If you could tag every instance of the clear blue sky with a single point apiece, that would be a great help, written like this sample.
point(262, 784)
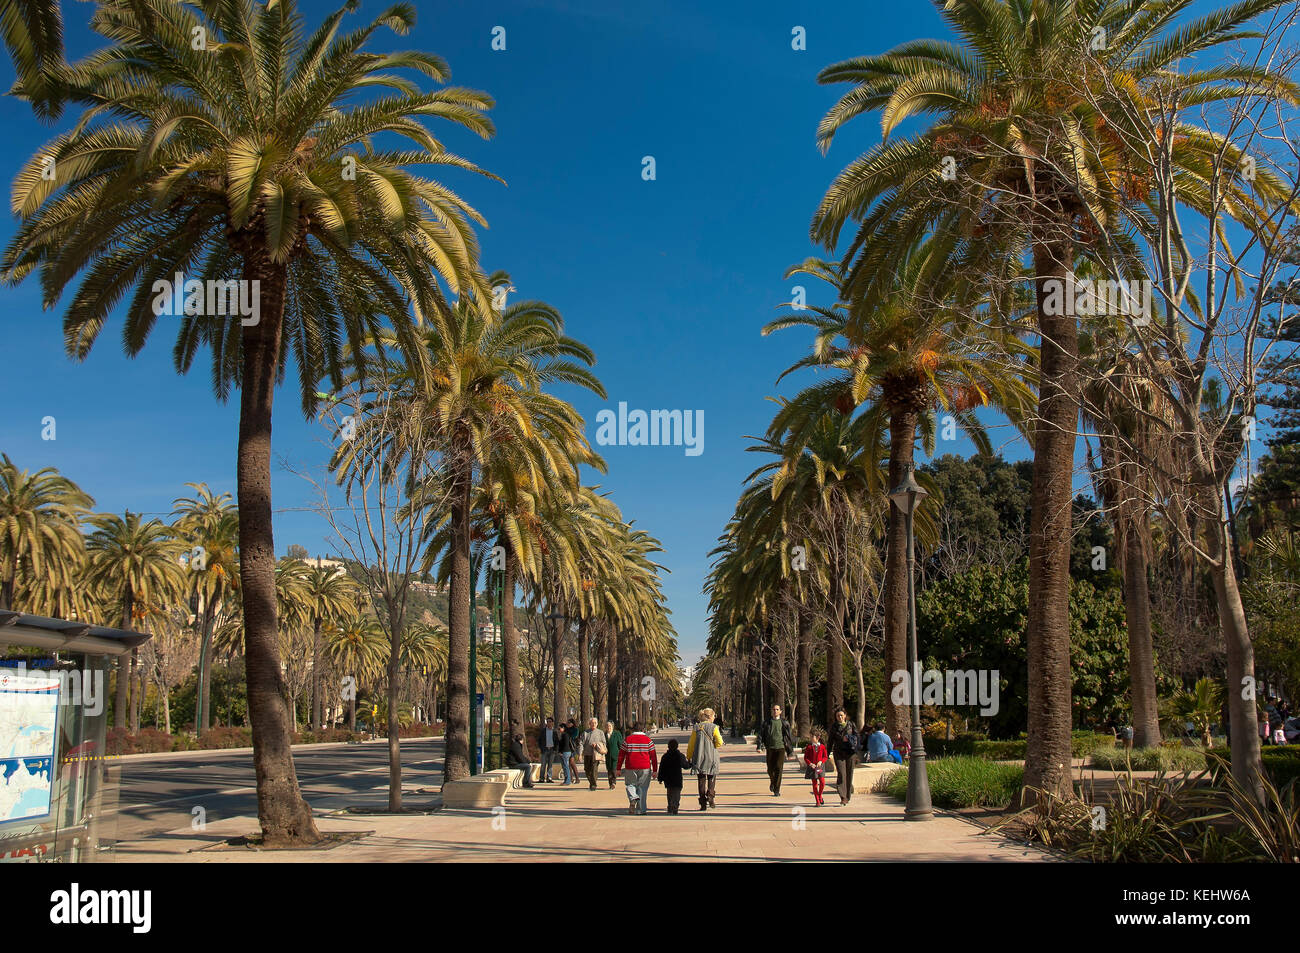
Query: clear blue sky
point(668, 280)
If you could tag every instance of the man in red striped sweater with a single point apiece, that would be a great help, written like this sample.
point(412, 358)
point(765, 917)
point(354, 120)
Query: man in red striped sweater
point(639, 763)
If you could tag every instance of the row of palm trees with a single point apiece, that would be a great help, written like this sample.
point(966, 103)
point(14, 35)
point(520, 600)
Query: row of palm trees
point(61, 559)
point(1023, 166)
point(223, 140)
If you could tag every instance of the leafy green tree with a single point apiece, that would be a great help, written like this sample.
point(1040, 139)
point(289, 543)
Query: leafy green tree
point(976, 619)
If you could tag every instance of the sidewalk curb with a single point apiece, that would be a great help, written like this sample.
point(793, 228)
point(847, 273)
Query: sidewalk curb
point(200, 752)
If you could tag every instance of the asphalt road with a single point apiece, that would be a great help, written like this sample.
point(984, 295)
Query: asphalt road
point(160, 793)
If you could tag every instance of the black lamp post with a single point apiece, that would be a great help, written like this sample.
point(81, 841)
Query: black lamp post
point(906, 496)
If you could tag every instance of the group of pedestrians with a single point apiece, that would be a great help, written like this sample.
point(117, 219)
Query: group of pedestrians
point(634, 757)
point(845, 746)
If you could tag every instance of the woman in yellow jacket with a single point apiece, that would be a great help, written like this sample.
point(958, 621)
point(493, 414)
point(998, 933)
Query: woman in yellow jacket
point(702, 752)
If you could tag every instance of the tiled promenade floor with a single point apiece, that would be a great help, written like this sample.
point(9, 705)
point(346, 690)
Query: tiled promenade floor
point(574, 823)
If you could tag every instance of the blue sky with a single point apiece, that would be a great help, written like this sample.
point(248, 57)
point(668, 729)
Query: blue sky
point(668, 280)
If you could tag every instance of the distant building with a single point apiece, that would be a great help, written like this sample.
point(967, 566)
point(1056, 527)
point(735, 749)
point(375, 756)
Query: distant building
point(686, 678)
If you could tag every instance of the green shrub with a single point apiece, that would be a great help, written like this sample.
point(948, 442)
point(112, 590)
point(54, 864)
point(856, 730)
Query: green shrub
point(1281, 762)
point(962, 781)
point(1082, 744)
point(1149, 759)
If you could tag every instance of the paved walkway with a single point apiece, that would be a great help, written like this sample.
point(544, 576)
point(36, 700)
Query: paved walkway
point(574, 823)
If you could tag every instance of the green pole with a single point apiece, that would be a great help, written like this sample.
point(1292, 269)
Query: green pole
point(473, 683)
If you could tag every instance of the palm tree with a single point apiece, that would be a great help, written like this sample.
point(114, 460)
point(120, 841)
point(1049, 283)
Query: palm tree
point(1122, 406)
point(1032, 150)
point(1201, 706)
point(913, 342)
point(210, 523)
point(139, 563)
point(328, 594)
point(358, 648)
point(478, 384)
point(40, 535)
point(250, 157)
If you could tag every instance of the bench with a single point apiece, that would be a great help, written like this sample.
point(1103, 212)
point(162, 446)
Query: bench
point(867, 774)
point(483, 790)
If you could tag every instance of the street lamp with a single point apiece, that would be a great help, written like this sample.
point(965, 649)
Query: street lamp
point(906, 496)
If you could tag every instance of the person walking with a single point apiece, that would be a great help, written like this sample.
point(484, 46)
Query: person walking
point(519, 759)
point(548, 740)
point(639, 763)
point(702, 752)
point(844, 746)
point(670, 775)
point(573, 736)
point(594, 748)
point(562, 753)
point(814, 761)
point(776, 738)
point(613, 741)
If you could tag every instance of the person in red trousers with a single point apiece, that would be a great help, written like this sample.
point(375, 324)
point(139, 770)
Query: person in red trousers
point(814, 759)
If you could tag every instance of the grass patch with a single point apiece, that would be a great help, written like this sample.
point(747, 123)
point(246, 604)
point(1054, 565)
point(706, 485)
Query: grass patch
point(1149, 759)
point(962, 781)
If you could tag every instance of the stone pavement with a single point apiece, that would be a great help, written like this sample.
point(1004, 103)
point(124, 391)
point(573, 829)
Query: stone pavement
point(573, 823)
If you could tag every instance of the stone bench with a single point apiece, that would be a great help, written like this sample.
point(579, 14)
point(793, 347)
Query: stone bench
point(866, 775)
point(481, 791)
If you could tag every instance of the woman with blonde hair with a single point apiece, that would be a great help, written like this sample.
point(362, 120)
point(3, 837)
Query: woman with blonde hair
point(702, 752)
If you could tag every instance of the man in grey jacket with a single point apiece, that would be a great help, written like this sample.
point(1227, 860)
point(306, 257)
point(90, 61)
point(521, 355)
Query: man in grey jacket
point(594, 747)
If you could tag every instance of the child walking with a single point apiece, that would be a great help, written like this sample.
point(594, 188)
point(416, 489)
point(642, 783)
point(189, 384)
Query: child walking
point(670, 775)
point(814, 759)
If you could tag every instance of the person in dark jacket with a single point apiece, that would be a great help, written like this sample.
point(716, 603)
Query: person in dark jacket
point(573, 738)
point(670, 775)
point(519, 759)
point(844, 748)
point(775, 736)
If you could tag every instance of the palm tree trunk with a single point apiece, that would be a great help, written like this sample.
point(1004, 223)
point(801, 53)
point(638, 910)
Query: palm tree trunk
point(456, 765)
point(557, 672)
point(394, 725)
point(120, 700)
point(1048, 751)
point(614, 696)
point(284, 815)
point(1137, 612)
point(803, 672)
point(902, 446)
point(584, 675)
point(317, 701)
point(137, 691)
point(835, 651)
point(602, 674)
point(510, 645)
point(203, 718)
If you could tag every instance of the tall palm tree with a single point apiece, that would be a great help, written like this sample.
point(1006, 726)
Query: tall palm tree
point(328, 594)
point(1122, 406)
point(1031, 151)
point(251, 157)
point(911, 343)
point(139, 563)
point(40, 534)
point(210, 524)
point(357, 647)
point(478, 384)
